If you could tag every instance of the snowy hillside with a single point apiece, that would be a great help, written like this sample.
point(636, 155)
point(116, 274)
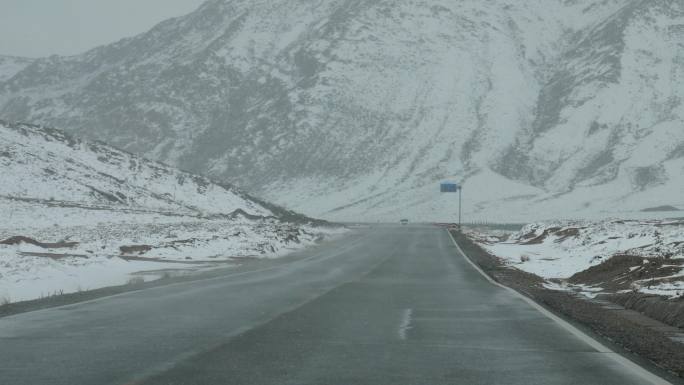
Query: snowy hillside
point(11, 65)
point(80, 215)
point(356, 110)
point(46, 166)
point(594, 257)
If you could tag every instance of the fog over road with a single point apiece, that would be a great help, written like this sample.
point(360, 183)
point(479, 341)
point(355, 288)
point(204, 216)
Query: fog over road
point(388, 305)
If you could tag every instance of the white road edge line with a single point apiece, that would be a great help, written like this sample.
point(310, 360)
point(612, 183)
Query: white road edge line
point(629, 365)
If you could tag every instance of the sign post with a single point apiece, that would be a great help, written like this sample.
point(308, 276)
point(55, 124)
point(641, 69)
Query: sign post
point(452, 187)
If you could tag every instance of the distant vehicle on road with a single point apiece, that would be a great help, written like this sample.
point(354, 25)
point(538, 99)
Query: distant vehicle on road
point(404, 222)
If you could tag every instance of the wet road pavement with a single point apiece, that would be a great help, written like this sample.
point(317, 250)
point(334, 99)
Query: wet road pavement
point(389, 305)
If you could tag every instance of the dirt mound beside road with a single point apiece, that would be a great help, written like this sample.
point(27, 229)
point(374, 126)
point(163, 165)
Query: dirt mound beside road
point(134, 249)
point(561, 233)
point(57, 245)
point(621, 272)
point(669, 311)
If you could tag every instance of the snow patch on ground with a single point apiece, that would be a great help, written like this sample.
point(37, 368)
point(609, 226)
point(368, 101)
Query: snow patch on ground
point(557, 250)
point(124, 251)
point(169, 246)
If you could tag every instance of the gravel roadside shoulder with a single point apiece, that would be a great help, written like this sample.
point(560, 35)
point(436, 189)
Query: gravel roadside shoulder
point(627, 329)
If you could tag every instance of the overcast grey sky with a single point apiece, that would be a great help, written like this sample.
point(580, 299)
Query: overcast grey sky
point(37, 28)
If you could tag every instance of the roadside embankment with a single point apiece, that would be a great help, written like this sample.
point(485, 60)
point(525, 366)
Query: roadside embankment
point(634, 332)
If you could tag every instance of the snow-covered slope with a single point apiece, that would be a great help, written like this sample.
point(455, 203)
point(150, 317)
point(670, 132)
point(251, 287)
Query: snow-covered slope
point(11, 65)
point(355, 110)
point(48, 167)
point(597, 256)
point(79, 215)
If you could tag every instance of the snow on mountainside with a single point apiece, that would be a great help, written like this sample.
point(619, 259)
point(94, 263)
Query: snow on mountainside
point(44, 165)
point(79, 215)
point(597, 257)
point(11, 65)
point(355, 110)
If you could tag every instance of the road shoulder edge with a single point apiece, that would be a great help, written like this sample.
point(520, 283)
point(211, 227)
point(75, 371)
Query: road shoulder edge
point(595, 344)
point(95, 295)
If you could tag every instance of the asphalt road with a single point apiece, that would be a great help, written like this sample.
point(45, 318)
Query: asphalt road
point(390, 305)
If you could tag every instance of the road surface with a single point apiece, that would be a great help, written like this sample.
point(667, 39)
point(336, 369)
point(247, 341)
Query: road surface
point(389, 305)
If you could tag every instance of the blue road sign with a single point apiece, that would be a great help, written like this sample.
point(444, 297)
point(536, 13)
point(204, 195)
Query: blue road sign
point(452, 187)
point(449, 187)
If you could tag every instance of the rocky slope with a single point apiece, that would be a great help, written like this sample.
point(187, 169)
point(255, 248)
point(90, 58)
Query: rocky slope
point(355, 110)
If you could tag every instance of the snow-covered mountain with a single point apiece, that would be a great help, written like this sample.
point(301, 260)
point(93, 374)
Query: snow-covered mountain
point(355, 110)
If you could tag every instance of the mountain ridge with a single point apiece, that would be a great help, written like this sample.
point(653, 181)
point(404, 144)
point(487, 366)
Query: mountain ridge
point(350, 110)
